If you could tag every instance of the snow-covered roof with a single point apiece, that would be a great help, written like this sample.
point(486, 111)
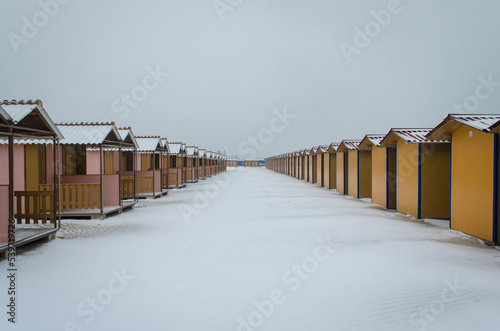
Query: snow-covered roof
point(408, 135)
point(334, 147)
point(371, 140)
point(176, 148)
point(348, 145)
point(128, 136)
point(202, 152)
point(89, 133)
point(323, 148)
point(149, 144)
point(481, 122)
point(32, 114)
point(191, 150)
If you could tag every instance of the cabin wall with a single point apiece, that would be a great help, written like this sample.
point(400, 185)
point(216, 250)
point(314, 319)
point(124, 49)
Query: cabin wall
point(326, 170)
point(353, 173)
point(319, 169)
point(4, 165)
point(32, 174)
point(472, 182)
point(379, 176)
point(111, 190)
point(407, 178)
point(4, 205)
point(340, 172)
point(435, 181)
point(365, 174)
point(116, 162)
point(93, 163)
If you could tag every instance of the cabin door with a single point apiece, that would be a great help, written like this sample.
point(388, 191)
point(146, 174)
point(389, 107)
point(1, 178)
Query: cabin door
point(391, 178)
point(35, 167)
point(346, 173)
point(322, 169)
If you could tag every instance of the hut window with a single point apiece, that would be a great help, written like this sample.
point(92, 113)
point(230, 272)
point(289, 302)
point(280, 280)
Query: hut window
point(74, 160)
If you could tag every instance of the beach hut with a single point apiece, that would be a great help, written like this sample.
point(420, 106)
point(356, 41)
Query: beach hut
point(91, 176)
point(176, 168)
point(202, 157)
point(255, 164)
point(323, 166)
point(312, 165)
point(474, 207)
point(296, 158)
point(128, 163)
point(347, 161)
point(383, 166)
point(422, 173)
point(191, 161)
point(231, 163)
point(332, 156)
point(152, 173)
point(23, 167)
point(358, 172)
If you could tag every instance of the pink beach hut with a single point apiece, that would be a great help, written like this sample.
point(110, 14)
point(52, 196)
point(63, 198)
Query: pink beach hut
point(27, 139)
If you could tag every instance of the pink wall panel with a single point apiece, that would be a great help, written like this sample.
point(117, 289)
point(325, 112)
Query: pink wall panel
point(4, 164)
point(93, 163)
point(111, 190)
point(4, 212)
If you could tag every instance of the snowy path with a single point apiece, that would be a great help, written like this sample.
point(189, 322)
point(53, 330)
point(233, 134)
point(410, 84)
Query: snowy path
point(310, 258)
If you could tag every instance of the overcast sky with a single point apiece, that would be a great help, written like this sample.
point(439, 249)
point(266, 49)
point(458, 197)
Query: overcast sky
point(213, 74)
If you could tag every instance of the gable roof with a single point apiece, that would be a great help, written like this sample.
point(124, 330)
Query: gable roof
point(371, 140)
point(89, 134)
point(333, 147)
point(176, 148)
point(192, 150)
point(29, 118)
point(128, 137)
point(348, 145)
point(452, 122)
point(149, 144)
point(408, 135)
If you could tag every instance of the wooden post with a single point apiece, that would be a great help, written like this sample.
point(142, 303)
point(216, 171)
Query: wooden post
point(154, 173)
point(120, 175)
point(101, 178)
point(11, 181)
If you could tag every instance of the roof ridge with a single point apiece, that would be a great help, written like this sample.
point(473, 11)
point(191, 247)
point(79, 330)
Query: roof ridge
point(86, 124)
point(22, 102)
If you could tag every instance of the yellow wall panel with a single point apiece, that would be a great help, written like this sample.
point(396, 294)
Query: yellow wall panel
point(472, 182)
point(340, 172)
point(365, 174)
point(379, 176)
point(353, 173)
point(333, 171)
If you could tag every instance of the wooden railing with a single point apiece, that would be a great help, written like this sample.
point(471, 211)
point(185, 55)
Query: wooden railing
point(173, 179)
point(35, 205)
point(77, 196)
point(128, 187)
point(145, 184)
point(165, 180)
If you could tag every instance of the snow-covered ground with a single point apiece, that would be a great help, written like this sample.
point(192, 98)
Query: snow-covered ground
point(255, 250)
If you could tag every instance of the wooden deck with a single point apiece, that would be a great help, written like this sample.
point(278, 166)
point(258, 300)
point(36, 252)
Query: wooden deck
point(151, 196)
point(96, 213)
point(28, 235)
